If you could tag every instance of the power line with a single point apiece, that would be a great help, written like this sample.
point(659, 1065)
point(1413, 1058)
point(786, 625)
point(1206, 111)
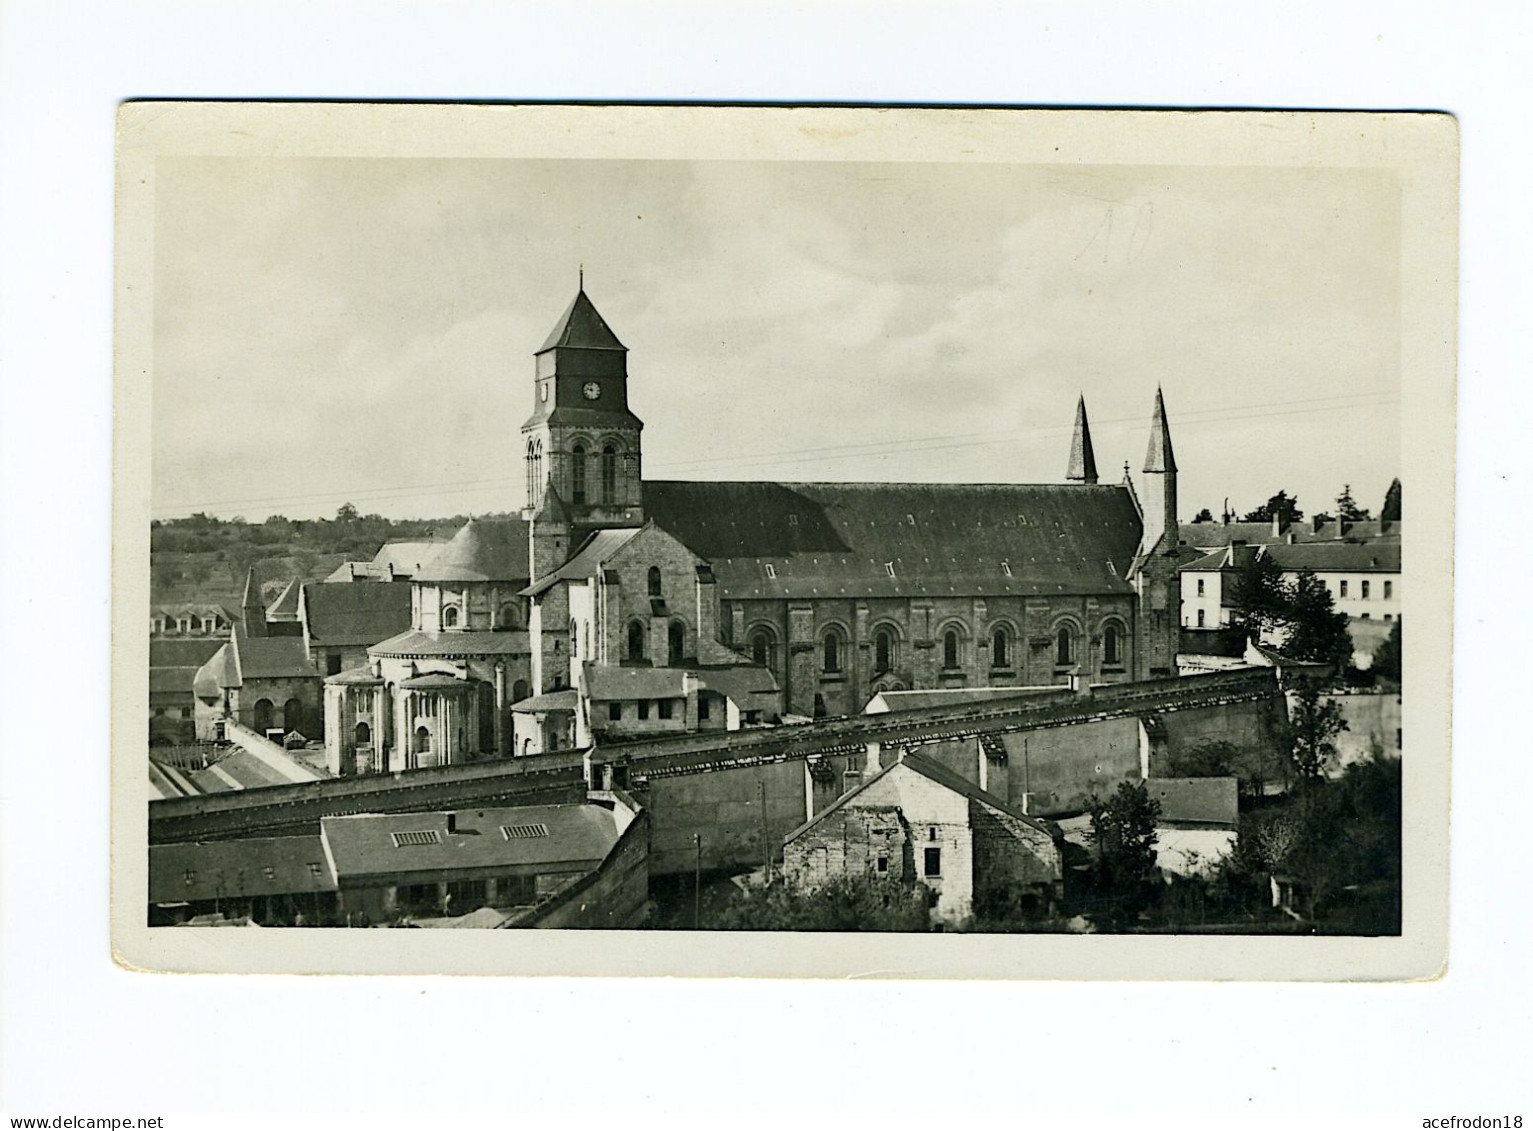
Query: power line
point(1192, 418)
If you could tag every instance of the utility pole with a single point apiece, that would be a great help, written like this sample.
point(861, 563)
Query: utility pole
point(766, 844)
point(697, 881)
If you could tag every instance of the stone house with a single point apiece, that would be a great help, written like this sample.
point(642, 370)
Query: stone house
point(919, 821)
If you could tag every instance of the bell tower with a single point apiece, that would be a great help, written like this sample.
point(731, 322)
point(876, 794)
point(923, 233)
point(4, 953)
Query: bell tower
point(581, 439)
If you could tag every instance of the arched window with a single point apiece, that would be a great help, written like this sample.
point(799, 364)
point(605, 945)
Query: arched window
point(635, 640)
point(950, 648)
point(532, 474)
point(292, 716)
point(486, 712)
point(450, 616)
point(263, 715)
point(1000, 648)
point(676, 643)
point(1112, 644)
point(574, 638)
point(422, 740)
point(654, 581)
point(507, 616)
point(364, 734)
point(609, 473)
point(520, 690)
point(1064, 646)
point(831, 653)
point(578, 472)
point(761, 648)
point(883, 650)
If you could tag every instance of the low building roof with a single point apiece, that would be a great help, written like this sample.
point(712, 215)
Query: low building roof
point(232, 869)
point(1337, 557)
point(525, 836)
point(438, 681)
point(221, 671)
point(737, 681)
point(606, 682)
point(1200, 801)
point(354, 677)
point(356, 615)
point(271, 657)
point(184, 651)
point(957, 696)
point(454, 643)
point(565, 700)
point(285, 607)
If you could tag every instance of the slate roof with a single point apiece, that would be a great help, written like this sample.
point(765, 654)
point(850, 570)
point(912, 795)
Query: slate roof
point(355, 677)
point(1339, 557)
point(270, 657)
point(408, 555)
point(738, 681)
point(935, 772)
point(489, 550)
point(454, 643)
point(565, 700)
point(1210, 535)
point(604, 682)
point(1160, 457)
point(1197, 801)
point(958, 696)
point(1083, 459)
point(437, 681)
point(363, 846)
point(839, 539)
point(285, 607)
point(221, 671)
point(588, 560)
point(230, 869)
point(183, 652)
point(581, 327)
point(356, 615)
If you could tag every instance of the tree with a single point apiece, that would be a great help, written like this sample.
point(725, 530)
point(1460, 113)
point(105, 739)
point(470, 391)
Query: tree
point(1386, 657)
point(1316, 631)
point(842, 903)
point(347, 513)
point(1123, 831)
point(1258, 596)
point(1278, 506)
point(1347, 509)
point(1391, 511)
point(1204, 515)
point(1316, 721)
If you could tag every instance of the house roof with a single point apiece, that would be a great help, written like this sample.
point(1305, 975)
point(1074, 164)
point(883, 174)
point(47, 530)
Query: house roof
point(565, 700)
point(605, 682)
point(437, 681)
point(454, 643)
point(194, 609)
point(1204, 801)
point(844, 539)
point(230, 869)
point(587, 561)
point(354, 677)
point(958, 696)
point(737, 681)
point(356, 615)
point(581, 327)
point(172, 681)
point(934, 772)
point(1339, 557)
point(365, 845)
point(285, 607)
point(488, 550)
point(220, 671)
point(408, 555)
point(184, 651)
point(270, 657)
point(1209, 535)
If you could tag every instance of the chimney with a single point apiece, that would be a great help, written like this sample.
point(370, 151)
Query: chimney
point(1277, 525)
point(1341, 529)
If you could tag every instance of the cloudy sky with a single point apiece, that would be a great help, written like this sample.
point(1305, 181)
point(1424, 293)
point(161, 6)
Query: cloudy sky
point(362, 330)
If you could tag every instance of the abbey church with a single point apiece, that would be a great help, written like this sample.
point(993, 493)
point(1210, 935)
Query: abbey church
point(619, 607)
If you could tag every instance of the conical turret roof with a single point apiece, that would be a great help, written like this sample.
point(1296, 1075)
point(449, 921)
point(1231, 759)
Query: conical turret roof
point(581, 327)
point(1160, 457)
point(1083, 460)
point(481, 551)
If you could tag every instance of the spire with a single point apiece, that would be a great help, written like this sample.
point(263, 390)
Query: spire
point(252, 608)
point(1160, 457)
point(581, 327)
point(1083, 461)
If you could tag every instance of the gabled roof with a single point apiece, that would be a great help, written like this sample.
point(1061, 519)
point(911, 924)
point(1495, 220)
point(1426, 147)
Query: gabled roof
point(1202, 801)
point(407, 556)
point(285, 607)
point(270, 657)
point(220, 671)
point(481, 551)
point(1211, 535)
point(581, 327)
point(454, 643)
point(902, 539)
point(605, 682)
point(356, 615)
point(566, 700)
point(935, 772)
point(957, 696)
point(183, 651)
point(1342, 557)
point(587, 561)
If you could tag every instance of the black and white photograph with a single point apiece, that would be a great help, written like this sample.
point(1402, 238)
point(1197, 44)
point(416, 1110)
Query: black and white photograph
point(914, 523)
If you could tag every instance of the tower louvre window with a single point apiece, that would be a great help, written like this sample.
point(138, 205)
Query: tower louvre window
point(609, 473)
point(578, 473)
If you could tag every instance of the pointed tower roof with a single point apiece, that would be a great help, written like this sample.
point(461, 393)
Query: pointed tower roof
point(1160, 457)
point(1083, 460)
point(481, 551)
point(581, 327)
point(252, 608)
point(553, 508)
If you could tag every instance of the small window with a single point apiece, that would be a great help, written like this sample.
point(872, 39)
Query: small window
point(643, 708)
point(614, 712)
point(269, 873)
point(1200, 587)
point(793, 520)
point(889, 568)
point(771, 572)
point(1363, 617)
point(761, 649)
point(883, 650)
point(1389, 590)
point(189, 877)
point(1343, 588)
point(450, 616)
point(1006, 568)
point(931, 832)
point(1365, 590)
point(910, 518)
point(1202, 617)
point(635, 640)
point(665, 708)
point(1064, 646)
point(654, 581)
point(950, 648)
point(332, 663)
point(1000, 649)
point(1112, 642)
point(883, 863)
point(933, 860)
point(832, 653)
point(314, 870)
point(703, 703)
point(1389, 616)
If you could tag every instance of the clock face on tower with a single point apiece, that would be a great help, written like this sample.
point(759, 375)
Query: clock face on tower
point(590, 390)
